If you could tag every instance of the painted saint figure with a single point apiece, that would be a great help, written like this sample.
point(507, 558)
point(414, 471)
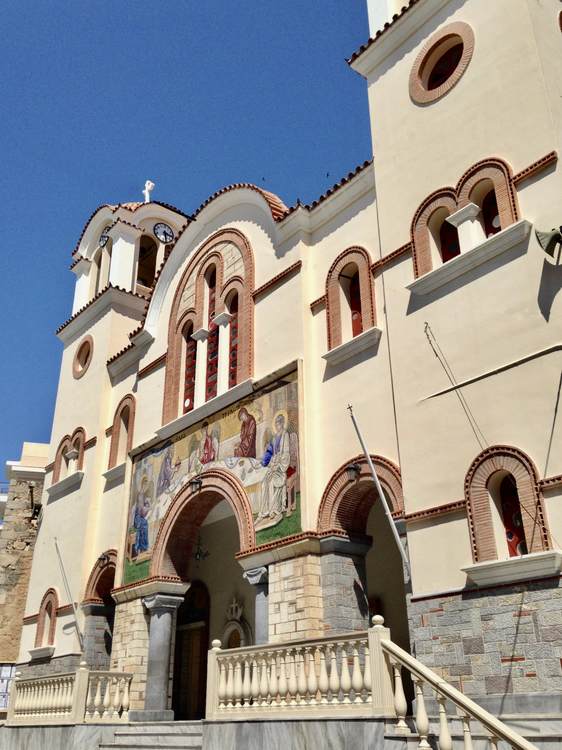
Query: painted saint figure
point(140, 523)
point(277, 459)
point(247, 445)
point(167, 472)
point(207, 452)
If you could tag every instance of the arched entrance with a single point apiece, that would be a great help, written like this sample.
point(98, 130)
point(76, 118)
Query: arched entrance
point(197, 542)
point(99, 608)
point(359, 543)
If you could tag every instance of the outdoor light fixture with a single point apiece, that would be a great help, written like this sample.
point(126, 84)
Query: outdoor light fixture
point(199, 555)
point(103, 559)
point(196, 483)
point(353, 471)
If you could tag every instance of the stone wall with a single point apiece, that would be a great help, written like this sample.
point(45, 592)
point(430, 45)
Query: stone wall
point(344, 582)
point(130, 646)
point(505, 640)
point(295, 599)
point(44, 667)
point(98, 636)
point(17, 541)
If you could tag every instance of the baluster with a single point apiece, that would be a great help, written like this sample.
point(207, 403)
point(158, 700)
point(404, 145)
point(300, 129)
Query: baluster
point(345, 682)
point(222, 684)
point(238, 682)
point(445, 741)
point(283, 684)
point(42, 702)
point(357, 678)
point(264, 682)
point(400, 705)
point(89, 697)
point(312, 681)
point(422, 722)
point(70, 681)
point(273, 683)
point(117, 698)
point(323, 683)
point(466, 732)
point(56, 695)
point(33, 698)
point(367, 677)
point(126, 700)
point(97, 699)
point(493, 742)
point(293, 685)
point(21, 696)
point(230, 685)
point(39, 698)
point(334, 682)
point(301, 680)
point(246, 685)
point(255, 683)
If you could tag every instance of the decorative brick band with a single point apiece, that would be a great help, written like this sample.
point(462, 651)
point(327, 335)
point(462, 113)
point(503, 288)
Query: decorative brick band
point(90, 443)
point(277, 279)
point(317, 302)
point(407, 248)
point(551, 481)
point(430, 54)
point(180, 526)
point(511, 460)
point(153, 365)
point(536, 166)
point(345, 507)
point(438, 510)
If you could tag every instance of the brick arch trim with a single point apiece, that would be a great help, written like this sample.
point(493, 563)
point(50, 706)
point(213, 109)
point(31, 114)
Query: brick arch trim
point(127, 401)
point(174, 376)
point(180, 526)
point(344, 508)
point(454, 198)
point(361, 258)
point(51, 596)
point(91, 593)
point(485, 465)
point(64, 446)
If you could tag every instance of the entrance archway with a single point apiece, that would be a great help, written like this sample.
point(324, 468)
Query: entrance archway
point(99, 608)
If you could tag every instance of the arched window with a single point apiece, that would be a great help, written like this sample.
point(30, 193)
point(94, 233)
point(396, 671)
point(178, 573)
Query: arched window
point(122, 431)
point(506, 516)
point(69, 457)
point(349, 294)
point(213, 338)
point(190, 368)
point(233, 342)
point(449, 244)
point(146, 269)
point(47, 622)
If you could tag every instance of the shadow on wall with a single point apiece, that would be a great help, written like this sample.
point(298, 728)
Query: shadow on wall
point(550, 285)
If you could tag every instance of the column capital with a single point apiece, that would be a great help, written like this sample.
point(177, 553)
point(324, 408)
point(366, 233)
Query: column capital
point(161, 602)
point(223, 319)
point(201, 334)
point(257, 576)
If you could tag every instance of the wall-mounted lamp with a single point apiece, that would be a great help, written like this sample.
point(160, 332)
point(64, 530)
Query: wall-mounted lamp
point(103, 559)
point(195, 483)
point(199, 555)
point(353, 471)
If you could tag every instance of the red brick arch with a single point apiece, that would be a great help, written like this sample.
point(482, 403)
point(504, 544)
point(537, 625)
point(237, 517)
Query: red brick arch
point(344, 508)
point(485, 465)
point(50, 597)
point(127, 401)
point(183, 519)
point(95, 582)
point(66, 445)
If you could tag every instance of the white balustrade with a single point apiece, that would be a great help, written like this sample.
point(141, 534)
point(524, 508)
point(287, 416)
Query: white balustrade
point(108, 697)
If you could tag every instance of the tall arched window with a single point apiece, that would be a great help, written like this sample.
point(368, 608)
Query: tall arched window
point(46, 622)
point(190, 366)
point(122, 431)
point(349, 294)
point(69, 457)
point(213, 338)
point(233, 342)
point(146, 269)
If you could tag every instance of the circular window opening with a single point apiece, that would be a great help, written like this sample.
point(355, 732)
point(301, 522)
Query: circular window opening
point(83, 357)
point(445, 66)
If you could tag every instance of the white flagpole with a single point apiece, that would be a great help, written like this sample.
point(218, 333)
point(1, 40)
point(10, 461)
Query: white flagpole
point(381, 493)
point(67, 587)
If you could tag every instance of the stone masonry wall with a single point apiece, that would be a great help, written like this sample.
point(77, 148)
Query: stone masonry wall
point(346, 606)
point(295, 599)
point(98, 638)
point(44, 667)
point(17, 541)
point(493, 641)
point(130, 646)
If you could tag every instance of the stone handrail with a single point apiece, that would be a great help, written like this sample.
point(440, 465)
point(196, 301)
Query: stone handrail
point(466, 709)
point(69, 698)
point(343, 675)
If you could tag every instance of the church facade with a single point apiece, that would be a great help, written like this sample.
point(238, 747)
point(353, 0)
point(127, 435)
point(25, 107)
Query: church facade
point(205, 479)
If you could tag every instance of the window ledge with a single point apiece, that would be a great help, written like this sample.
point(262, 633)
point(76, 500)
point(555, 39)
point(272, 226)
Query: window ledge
point(72, 481)
point(524, 568)
point(41, 652)
point(452, 269)
point(116, 472)
point(352, 347)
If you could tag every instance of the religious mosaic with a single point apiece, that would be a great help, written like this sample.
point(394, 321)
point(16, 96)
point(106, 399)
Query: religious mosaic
point(256, 440)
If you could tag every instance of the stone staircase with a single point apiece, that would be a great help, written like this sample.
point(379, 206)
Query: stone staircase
point(186, 735)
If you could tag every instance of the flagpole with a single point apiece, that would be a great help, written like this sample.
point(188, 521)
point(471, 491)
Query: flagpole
point(381, 494)
point(67, 587)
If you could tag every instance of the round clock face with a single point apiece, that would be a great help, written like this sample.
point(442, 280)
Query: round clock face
point(163, 232)
point(104, 237)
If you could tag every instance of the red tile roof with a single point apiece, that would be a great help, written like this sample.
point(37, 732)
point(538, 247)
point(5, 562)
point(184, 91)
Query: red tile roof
point(380, 32)
point(276, 205)
point(98, 295)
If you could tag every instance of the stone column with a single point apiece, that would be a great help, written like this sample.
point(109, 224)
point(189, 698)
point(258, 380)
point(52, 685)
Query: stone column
point(344, 585)
point(161, 608)
point(201, 337)
point(259, 578)
point(223, 321)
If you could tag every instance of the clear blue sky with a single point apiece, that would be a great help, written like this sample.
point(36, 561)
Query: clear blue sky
point(97, 97)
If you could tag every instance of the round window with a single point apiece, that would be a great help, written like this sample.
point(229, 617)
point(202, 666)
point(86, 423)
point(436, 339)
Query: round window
point(83, 357)
point(441, 62)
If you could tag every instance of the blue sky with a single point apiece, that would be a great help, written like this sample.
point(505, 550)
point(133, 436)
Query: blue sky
point(98, 97)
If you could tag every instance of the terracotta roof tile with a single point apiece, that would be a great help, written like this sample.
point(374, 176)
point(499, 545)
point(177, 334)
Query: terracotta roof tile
point(380, 32)
point(330, 192)
point(98, 295)
point(116, 356)
point(276, 205)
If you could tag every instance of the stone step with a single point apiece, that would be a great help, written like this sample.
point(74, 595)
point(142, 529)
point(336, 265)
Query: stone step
point(172, 739)
point(164, 742)
point(186, 735)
